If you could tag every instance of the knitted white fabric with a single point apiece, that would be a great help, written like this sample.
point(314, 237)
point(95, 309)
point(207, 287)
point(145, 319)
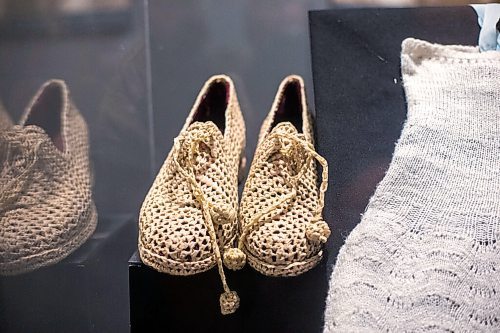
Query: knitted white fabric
point(426, 254)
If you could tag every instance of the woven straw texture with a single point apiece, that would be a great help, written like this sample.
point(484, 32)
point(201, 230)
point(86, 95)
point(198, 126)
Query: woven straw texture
point(282, 231)
point(46, 210)
point(426, 256)
point(189, 215)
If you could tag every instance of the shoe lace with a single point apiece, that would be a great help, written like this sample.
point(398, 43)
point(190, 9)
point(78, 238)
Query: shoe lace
point(16, 153)
point(187, 146)
point(297, 151)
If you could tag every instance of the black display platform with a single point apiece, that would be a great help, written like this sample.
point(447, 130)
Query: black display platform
point(86, 292)
point(360, 110)
point(359, 98)
point(164, 303)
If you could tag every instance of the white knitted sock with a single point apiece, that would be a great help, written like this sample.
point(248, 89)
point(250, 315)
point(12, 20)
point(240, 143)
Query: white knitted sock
point(426, 254)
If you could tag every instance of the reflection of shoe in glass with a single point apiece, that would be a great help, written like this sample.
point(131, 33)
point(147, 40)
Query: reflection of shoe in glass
point(190, 213)
point(46, 210)
point(282, 231)
point(5, 120)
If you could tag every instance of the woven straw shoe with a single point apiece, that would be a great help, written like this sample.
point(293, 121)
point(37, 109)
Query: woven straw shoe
point(282, 231)
point(46, 210)
point(189, 216)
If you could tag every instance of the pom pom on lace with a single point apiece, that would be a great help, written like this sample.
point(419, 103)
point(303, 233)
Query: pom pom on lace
point(229, 302)
point(223, 215)
point(234, 259)
point(318, 231)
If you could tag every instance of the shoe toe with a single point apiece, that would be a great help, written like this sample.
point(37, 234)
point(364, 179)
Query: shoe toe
point(280, 243)
point(176, 237)
point(34, 237)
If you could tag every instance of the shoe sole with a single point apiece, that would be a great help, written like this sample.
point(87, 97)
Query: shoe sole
point(293, 269)
point(52, 256)
point(173, 267)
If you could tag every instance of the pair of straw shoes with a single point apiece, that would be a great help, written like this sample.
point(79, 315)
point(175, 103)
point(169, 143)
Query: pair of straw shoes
point(190, 221)
point(46, 206)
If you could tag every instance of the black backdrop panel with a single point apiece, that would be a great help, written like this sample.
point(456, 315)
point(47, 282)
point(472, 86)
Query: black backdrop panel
point(359, 97)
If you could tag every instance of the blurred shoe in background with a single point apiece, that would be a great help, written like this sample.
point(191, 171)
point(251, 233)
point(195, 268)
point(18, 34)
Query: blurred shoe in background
point(46, 206)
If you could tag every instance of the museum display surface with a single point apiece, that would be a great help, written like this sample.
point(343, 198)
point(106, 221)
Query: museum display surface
point(295, 166)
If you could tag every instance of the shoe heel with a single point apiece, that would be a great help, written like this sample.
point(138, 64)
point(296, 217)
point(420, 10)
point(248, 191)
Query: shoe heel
point(242, 168)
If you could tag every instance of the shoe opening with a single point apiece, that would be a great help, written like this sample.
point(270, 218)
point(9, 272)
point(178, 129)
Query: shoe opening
point(290, 106)
point(213, 104)
point(46, 112)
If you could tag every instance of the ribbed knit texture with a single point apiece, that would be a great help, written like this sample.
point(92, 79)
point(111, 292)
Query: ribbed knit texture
point(426, 254)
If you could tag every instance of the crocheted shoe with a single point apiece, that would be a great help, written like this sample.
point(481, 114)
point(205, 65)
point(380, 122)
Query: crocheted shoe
point(189, 215)
point(282, 231)
point(46, 209)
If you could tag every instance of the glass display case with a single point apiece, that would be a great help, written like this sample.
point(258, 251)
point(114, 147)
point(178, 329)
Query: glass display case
point(98, 49)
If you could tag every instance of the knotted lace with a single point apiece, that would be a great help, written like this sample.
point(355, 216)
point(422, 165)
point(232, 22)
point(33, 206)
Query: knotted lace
point(18, 151)
point(297, 151)
point(187, 147)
